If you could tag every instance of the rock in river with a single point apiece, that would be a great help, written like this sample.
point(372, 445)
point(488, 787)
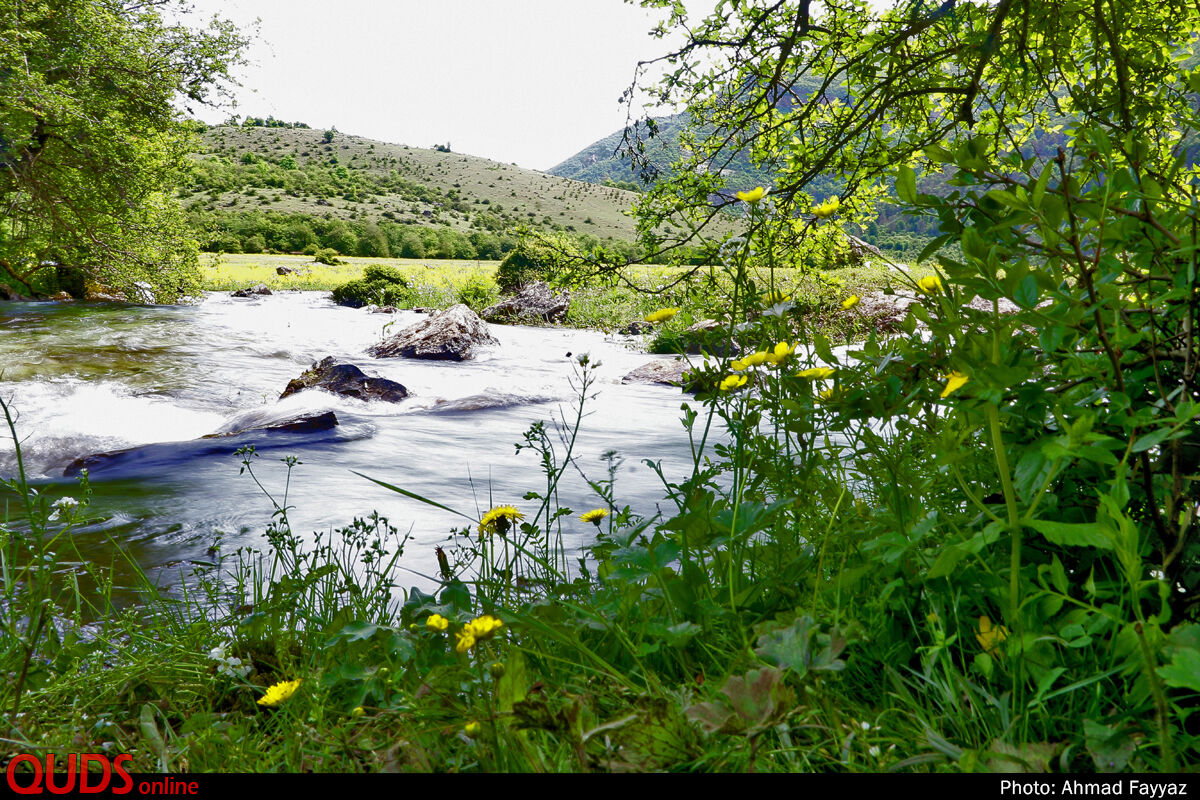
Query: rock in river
point(669, 371)
point(256, 289)
point(534, 303)
point(346, 379)
point(163, 457)
point(451, 335)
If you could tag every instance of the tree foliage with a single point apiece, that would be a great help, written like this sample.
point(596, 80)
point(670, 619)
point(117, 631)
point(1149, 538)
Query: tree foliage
point(1039, 412)
point(91, 139)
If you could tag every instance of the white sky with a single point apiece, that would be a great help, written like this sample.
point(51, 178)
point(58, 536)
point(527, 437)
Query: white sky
point(525, 81)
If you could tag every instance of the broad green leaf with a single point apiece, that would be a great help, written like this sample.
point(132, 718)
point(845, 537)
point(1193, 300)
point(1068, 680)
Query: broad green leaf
point(1074, 534)
point(906, 184)
point(1026, 294)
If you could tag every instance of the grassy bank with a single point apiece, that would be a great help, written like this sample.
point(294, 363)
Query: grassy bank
point(608, 305)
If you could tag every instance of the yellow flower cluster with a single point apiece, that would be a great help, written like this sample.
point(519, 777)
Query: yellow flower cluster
point(436, 622)
point(753, 196)
point(732, 382)
point(771, 357)
point(475, 631)
point(850, 302)
point(827, 209)
point(594, 516)
point(499, 519)
point(931, 284)
point(279, 692)
point(990, 637)
point(954, 382)
point(662, 315)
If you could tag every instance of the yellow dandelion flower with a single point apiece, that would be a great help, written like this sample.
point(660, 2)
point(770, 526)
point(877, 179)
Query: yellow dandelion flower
point(753, 196)
point(930, 284)
point(499, 520)
point(279, 692)
point(594, 516)
point(827, 209)
point(850, 302)
point(436, 622)
point(954, 382)
point(816, 373)
point(466, 640)
point(662, 315)
point(472, 729)
point(482, 628)
point(990, 637)
point(732, 382)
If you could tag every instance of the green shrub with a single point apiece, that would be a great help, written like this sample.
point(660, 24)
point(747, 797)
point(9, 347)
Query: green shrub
point(538, 257)
point(379, 285)
point(477, 294)
point(327, 255)
point(381, 273)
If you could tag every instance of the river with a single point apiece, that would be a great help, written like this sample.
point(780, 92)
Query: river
point(85, 379)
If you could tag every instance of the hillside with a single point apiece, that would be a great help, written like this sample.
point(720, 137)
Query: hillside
point(355, 193)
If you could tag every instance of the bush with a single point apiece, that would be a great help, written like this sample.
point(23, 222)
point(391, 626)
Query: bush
point(379, 285)
point(477, 294)
point(538, 257)
point(327, 255)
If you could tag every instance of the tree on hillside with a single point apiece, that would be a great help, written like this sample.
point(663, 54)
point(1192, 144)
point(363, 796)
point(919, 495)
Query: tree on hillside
point(91, 139)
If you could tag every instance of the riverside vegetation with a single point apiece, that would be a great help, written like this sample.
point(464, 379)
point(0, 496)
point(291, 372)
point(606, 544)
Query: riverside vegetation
point(967, 546)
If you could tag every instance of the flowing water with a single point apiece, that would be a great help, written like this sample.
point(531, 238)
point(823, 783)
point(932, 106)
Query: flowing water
point(86, 379)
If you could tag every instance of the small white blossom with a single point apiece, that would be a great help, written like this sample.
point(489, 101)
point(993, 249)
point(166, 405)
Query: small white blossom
point(227, 665)
point(62, 506)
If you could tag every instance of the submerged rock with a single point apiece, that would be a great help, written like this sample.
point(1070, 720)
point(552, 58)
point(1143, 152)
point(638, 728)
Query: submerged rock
point(666, 371)
point(346, 379)
point(307, 423)
point(161, 457)
point(257, 289)
point(536, 302)
point(451, 335)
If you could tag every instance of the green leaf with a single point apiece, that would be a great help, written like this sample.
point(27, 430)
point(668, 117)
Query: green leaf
point(1074, 534)
point(1026, 294)
point(1039, 189)
point(946, 561)
point(906, 184)
point(934, 246)
point(513, 685)
point(1184, 670)
point(1151, 439)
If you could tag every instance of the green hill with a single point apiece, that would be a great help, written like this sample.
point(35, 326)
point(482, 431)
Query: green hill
point(287, 188)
